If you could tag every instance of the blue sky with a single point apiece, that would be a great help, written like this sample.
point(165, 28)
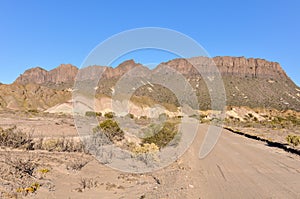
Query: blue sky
point(48, 33)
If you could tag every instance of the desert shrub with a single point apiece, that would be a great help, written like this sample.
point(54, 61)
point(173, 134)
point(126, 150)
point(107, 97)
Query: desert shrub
point(278, 119)
point(163, 117)
point(33, 111)
point(44, 170)
point(60, 145)
point(30, 189)
point(143, 117)
point(164, 136)
point(76, 165)
point(146, 153)
point(145, 148)
point(293, 139)
point(22, 166)
point(130, 115)
point(109, 115)
point(151, 130)
point(294, 120)
point(88, 183)
point(93, 114)
point(15, 138)
point(111, 129)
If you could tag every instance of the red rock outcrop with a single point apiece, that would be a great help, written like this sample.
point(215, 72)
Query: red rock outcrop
point(36, 75)
point(121, 69)
point(232, 66)
point(63, 73)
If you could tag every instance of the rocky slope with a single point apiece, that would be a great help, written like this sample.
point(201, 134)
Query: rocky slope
point(30, 97)
point(248, 82)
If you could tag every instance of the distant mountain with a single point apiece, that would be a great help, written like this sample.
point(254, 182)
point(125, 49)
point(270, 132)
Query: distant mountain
point(65, 73)
point(248, 82)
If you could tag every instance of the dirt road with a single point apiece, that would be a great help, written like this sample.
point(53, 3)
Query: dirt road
point(239, 167)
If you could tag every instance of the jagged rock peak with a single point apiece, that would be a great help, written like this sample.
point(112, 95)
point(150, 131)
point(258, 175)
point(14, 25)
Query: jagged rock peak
point(38, 75)
point(121, 69)
point(129, 62)
point(63, 73)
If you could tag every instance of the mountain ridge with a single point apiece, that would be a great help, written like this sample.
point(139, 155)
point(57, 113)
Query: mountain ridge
point(227, 65)
point(252, 82)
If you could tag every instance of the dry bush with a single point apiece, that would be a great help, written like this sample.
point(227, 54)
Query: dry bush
point(143, 117)
point(22, 166)
point(88, 183)
point(15, 138)
point(76, 165)
point(97, 144)
point(59, 145)
point(18, 174)
point(29, 189)
point(293, 139)
point(146, 153)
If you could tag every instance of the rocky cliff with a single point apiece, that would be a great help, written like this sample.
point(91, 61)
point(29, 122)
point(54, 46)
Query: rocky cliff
point(62, 74)
point(230, 66)
point(34, 75)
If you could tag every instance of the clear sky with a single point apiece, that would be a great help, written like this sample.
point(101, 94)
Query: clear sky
point(47, 33)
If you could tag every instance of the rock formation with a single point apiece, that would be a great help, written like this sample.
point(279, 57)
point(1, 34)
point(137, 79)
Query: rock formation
point(248, 82)
point(231, 66)
point(62, 74)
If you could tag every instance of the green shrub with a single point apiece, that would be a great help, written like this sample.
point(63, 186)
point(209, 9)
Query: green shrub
point(294, 120)
point(145, 148)
point(30, 189)
point(33, 111)
point(164, 135)
point(293, 139)
point(93, 114)
point(109, 115)
point(111, 129)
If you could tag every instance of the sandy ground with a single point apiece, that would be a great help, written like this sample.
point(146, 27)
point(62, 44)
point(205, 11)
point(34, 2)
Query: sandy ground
point(237, 167)
point(39, 125)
